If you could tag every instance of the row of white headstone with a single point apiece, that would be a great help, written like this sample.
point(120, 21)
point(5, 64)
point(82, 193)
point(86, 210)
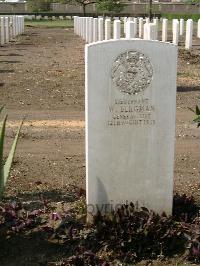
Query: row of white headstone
point(11, 26)
point(39, 17)
point(97, 29)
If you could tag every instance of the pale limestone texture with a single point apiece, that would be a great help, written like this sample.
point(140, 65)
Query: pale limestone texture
point(130, 136)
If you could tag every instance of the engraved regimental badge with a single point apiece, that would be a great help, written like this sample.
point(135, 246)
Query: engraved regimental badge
point(132, 72)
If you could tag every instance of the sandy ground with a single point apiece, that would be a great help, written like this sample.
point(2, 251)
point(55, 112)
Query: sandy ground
point(42, 79)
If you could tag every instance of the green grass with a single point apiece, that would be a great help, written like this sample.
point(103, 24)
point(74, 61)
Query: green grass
point(50, 23)
point(195, 17)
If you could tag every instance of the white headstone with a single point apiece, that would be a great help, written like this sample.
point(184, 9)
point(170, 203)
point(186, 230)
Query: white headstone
point(130, 30)
point(140, 27)
point(130, 124)
point(117, 29)
point(14, 26)
point(107, 29)
point(155, 21)
point(135, 25)
point(100, 29)
point(175, 31)
point(6, 30)
point(82, 26)
point(150, 31)
point(10, 27)
point(75, 24)
point(90, 30)
point(164, 29)
point(2, 31)
point(198, 29)
point(181, 26)
point(189, 32)
point(87, 29)
point(95, 30)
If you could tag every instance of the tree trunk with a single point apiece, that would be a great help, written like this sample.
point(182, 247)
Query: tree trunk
point(150, 10)
point(84, 6)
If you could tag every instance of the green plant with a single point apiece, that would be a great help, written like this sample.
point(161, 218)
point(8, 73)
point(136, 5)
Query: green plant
point(6, 167)
point(197, 118)
point(169, 16)
point(112, 6)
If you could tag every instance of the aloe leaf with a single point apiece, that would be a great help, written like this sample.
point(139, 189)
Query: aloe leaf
point(2, 135)
point(197, 110)
point(8, 164)
point(1, 108)
point(197, 119)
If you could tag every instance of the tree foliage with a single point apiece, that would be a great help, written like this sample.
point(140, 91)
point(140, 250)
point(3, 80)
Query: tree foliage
point(39, 5)
point(111, 6)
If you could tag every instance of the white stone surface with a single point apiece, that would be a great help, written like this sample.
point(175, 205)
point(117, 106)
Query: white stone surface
point(10, 28)
point(130, 137)
point(90, 30)
point(198, 28)
point(83, 27)
point(2, 31)
point(100, 29)
point(117, 29)
point(164, 29)
point(189, 32)
point(140, 27)
point(107, 29)
point(150, 31)
point(155, 21)
point(130, 30)
point(6, 30)
point(135, 25)
point(75, 24)
point(175, 32)
point(95, 30)
point(14, 26)
point(87, 29)
point(182, 22)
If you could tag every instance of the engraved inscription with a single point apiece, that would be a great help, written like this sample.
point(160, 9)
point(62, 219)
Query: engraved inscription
point(135, 112)
point(132, 72)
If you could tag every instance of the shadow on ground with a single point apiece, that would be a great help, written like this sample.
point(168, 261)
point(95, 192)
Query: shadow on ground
point(188, 88)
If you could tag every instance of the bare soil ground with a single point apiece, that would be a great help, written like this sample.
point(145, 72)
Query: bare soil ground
point(42, 79)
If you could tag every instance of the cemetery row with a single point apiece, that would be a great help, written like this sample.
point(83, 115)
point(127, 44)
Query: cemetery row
point(97, 29)
point(11, 27)
point(39, 17)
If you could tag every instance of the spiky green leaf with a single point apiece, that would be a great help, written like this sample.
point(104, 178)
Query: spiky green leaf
point(1, 108)
point(2, 135)
point(197, 110)
point(197, 119)
point(8, 164)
